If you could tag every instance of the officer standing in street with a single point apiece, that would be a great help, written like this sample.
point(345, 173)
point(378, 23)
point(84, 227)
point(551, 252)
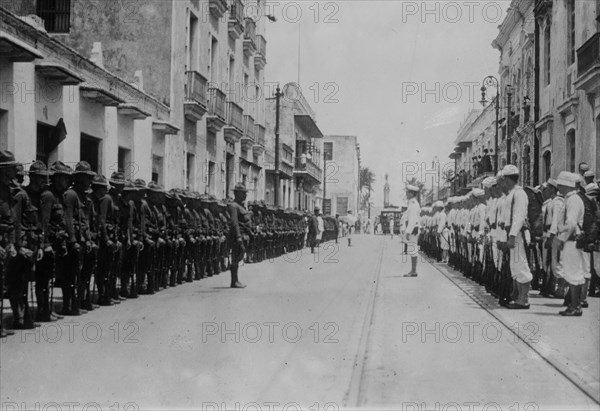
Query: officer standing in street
point(239, 232)
point(412, 227)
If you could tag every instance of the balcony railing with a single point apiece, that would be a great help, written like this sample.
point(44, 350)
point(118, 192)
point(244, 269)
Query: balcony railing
point(260, 134)
point(250, 31)
point(588, 55)
point(216, 102)
point(309, 167)
point(195, 88)
point(235, 116)
point(249, 129)
point(261, 46)
point(236, 18)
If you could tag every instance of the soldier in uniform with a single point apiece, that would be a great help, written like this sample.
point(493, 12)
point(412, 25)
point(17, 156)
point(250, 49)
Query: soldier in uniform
point(517, 204)
point(8, 251)
point(159, 232)
point(19, 268)
point(239, 232)
point(145, 274)
point(412, 227)
point(133, 245)
point(82, 180)
point(121, 232)
point(45, 202)
point(106, 221)
point(572, 261)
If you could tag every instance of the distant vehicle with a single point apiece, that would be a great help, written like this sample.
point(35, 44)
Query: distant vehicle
point(384, 218)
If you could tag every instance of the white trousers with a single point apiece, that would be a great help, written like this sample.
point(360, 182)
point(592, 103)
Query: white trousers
point(519, 267)
point(572, 265)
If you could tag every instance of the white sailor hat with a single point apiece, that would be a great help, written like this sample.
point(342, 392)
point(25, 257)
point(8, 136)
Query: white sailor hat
point(439, 203)
point(589, 173)
point(552, 182)
point(410, 187)
point(489, 182)
point(567, 179)
point(592, 188)
point(478, 192)
point(510, 170)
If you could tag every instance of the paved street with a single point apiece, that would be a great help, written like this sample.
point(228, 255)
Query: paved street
point(339, 329)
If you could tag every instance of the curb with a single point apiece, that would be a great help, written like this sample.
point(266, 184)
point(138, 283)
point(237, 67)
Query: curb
point(581, 379)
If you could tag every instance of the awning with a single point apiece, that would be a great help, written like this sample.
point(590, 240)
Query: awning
point(17, 51)
point(309, 125)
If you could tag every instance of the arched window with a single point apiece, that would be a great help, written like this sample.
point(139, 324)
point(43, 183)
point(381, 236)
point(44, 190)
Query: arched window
point(527, 166)
point(547, 161)
point(571, 150)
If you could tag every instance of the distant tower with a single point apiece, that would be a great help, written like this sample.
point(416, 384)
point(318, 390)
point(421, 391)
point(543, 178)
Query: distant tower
point(386, 193)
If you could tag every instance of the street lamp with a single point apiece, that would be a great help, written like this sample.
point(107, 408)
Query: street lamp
point(509, 92)
point(277, 102)
point(491, 81)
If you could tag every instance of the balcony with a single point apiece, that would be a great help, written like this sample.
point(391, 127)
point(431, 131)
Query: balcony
point(250, 37)
point(216, 110)
point(234, 128)
point(286, 171)
point(588, 65)
point(195, 96)
point(217, 8)
point(306, 168)
point(260, 57)
point(249, 133)
point(259, 146)
point(235, 24)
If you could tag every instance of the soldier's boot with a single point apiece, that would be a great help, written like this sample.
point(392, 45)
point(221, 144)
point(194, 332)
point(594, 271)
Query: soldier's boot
point(567, 299)
point(134, 286)
point(522, 301)
point(584, 293)
point(66, 300)
point(235, 283)
point(75, 308)
point(125, 280)
point(43, 310)
point(574, 309)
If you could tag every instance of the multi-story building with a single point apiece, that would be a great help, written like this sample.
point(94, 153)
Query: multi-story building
point(300, 171)
point(341, 179)
point(516, 44)
point(568, 115)
point(57, 104)
point(476, 134)
point(204, 60)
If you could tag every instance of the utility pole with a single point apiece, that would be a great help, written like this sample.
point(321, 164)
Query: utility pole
point(276, 192)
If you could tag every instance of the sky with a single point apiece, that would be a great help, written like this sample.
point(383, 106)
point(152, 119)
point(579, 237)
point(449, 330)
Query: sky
point(400, 75)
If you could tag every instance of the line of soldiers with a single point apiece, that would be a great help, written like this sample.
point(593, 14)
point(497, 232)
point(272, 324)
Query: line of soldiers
point(73, 229)
point(495, 236)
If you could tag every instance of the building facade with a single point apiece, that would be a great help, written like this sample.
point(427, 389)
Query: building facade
point(57, 104)
point(202, 61)
point(474, 148)
point(568, 82)
point(300, 170)
point(516, 44)
point(341, 179)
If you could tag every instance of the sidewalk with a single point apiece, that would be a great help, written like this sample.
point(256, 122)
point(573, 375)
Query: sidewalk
point(570, 344)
